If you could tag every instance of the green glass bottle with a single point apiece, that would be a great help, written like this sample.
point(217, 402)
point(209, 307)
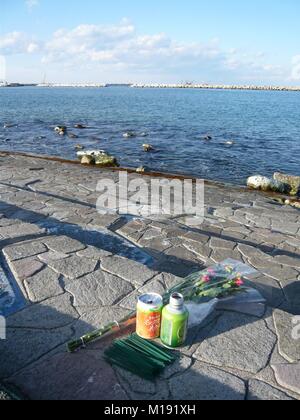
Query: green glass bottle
point(174, 325)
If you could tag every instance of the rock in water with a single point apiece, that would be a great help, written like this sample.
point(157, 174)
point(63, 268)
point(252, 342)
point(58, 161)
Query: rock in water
point(292, 181)
point(72, 136)
point(79, 147)
point(141, 170)
point(93, 153)
point(259, 182)
point(106, 161)
point(148, 148)
point(61, 130)
point(98, 157)
point(87, 160)
point(129, 134)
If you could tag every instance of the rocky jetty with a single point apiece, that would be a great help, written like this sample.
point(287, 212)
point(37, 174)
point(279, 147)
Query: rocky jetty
point(216, 87)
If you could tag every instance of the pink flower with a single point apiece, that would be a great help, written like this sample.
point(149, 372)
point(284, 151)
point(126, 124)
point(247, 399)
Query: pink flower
point(206, 279)
point(239, 282)
point(211, 271)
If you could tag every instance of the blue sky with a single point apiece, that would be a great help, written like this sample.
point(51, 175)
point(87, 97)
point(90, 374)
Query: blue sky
point(218, 41)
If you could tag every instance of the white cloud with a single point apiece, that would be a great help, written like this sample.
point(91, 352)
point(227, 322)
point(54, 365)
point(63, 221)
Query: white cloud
point(17, 43)
point(31, 4)
point(32, 47)
point(295, 75)
point(254, 65)
point(119, 48)
point(2, 68)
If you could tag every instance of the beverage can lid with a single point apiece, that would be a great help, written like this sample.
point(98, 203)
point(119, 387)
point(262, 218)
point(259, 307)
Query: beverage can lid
point(150, 301)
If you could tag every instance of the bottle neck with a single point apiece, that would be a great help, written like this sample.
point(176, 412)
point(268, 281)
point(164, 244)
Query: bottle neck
point(176, 302)
point(176, 309)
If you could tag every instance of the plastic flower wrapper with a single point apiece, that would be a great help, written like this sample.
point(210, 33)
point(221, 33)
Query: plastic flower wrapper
point(220, 281)
point(201, 291)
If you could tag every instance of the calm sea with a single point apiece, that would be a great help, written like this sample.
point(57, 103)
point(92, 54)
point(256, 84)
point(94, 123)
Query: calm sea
point(264, 128)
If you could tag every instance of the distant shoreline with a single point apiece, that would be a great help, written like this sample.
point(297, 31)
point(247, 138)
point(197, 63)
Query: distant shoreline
point(158, 86)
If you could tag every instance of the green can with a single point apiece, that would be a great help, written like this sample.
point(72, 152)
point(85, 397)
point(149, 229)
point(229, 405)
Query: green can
point(174, 325)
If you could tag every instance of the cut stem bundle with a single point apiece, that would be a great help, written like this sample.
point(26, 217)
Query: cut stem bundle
point(140, 357)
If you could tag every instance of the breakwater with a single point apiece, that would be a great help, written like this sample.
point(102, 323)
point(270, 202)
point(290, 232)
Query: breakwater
point(217, 87)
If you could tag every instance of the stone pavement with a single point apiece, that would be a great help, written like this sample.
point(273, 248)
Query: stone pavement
point(67, 270)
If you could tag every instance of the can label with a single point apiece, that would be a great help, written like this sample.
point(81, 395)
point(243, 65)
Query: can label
point(148, 320)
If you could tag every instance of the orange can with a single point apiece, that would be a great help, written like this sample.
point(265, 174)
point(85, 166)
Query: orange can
point(148, 319)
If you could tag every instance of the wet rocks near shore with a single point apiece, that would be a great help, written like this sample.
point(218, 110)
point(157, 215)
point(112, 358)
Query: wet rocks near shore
point(293, 203)
point(87, 160)
point(283, 184)
point(263, 183)
point(292, 181)
point(97, 157)
point(141, 170)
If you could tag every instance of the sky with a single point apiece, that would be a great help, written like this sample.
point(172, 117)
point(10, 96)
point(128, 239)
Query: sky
point(150, 41)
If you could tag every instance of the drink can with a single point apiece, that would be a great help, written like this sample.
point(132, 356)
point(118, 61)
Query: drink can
point(148, 320)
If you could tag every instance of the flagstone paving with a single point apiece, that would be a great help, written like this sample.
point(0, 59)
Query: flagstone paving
point(69, 270)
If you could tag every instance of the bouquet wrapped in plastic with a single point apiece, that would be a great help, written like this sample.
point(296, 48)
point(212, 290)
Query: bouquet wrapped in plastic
point(202, 292)
point(223, 282)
